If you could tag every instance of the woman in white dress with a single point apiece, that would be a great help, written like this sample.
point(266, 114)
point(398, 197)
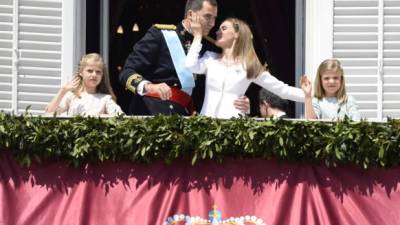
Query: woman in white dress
point(231, 73)
point(89, 93)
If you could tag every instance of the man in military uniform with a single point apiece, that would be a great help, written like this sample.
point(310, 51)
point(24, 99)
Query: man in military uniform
point(155, 72)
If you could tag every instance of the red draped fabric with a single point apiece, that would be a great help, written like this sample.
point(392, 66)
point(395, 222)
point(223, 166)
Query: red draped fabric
point(124, 193)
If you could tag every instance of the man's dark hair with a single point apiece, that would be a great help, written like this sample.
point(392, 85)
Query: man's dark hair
point(196, 5)
point(273, 100)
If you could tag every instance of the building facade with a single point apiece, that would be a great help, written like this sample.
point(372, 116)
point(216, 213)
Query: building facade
point(42, 40)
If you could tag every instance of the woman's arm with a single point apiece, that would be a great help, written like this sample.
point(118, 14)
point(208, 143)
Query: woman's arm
point(269, 82)
point(192, 62)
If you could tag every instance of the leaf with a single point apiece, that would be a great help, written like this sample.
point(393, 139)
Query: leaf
point(210, 154)
point(338, 154)
point(381, 153)
point(194, 159)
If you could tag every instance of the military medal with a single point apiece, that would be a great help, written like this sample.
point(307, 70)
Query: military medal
point(188, 44)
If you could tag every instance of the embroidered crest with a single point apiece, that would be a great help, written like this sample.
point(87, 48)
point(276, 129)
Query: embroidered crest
point(188, 44)
point(215, 218)
point(133, 81)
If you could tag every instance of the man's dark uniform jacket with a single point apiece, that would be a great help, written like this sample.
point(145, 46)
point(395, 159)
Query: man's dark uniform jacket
point(151, 60)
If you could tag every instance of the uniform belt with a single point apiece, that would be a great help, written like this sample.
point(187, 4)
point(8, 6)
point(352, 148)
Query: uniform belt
point(179, 97)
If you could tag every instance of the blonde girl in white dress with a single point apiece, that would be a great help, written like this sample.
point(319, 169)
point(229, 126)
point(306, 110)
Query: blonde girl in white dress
point(330, 101)
point(89, 93)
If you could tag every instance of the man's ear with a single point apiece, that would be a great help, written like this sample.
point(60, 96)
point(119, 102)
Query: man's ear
point(189, 14)
point(265, 103)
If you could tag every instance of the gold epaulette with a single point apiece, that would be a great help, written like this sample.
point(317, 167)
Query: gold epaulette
point(132, 82)
point(209, 39)
point(165, 26)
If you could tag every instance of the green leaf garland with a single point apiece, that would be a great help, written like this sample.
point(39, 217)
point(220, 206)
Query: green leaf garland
point(79, 140)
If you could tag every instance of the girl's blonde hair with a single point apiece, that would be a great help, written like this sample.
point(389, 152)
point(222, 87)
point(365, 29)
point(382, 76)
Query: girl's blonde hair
point(105, 85)
point(335, 66)
point(244, 48)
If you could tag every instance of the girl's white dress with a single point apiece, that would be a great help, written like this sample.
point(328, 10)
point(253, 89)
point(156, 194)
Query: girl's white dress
point(88, 105)
point(329, 108)
point(225, 84)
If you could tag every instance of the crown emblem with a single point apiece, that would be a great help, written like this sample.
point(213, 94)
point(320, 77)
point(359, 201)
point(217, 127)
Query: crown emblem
point(214, 218)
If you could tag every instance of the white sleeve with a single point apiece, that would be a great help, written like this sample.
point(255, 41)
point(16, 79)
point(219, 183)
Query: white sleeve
point(317, 108)
point(192, 62)
point(112, 108)
point(140, 88)
point(352, 108)
point(269, 82)
point(65, 103)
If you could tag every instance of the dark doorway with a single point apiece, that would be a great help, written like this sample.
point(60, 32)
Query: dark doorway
point(92, 26)
point(272, 23)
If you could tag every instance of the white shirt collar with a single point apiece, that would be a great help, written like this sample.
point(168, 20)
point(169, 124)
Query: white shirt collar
point(279, 114)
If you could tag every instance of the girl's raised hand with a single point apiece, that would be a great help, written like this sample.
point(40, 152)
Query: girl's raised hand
point(306, 86)
point(72, 85)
